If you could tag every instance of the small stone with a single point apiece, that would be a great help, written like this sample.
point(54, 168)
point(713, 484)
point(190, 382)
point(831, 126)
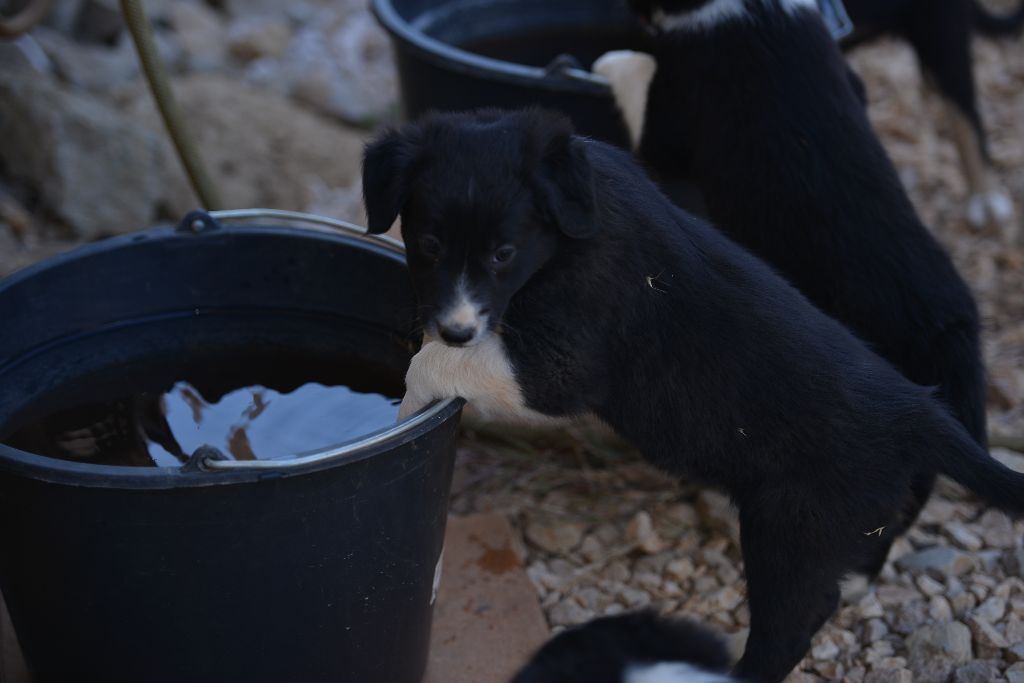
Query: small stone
point(592, 599)
point(647, 580)
point(1015, 629)
point(934, 651)
point(992, 610)
point(641, 531)
point(728, 574)
point(591, 548)
point(889, 675)
point(1012, 459)
point(997, 529)
point(830, 671)
point(928, 585)
point(683, 514)
point(942, 559)
point(1016, 652)
point(825, 649)
point(891, 595)
point(963, 604)
point(869, 607)
point(909, 616)
point(653, 564)
point(726, 599)
point(987, 640)
point(251, 38)
point(703, 585)
point(977, 671)
point(569, 613)
point(963, 537)
point(875, 630)
point(1015, 677)
point(617, 571)
point(200, 33)
point(634, 598)
point(681, 569)
point(938, 512)
point(879, 650)
point(939, 609)
point(856, 674)
point(555, 538)
point(718, 514)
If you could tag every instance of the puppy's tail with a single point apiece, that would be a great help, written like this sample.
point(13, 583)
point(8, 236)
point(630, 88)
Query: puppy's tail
point(640, 647)
point(961, 378)
point(954, 453)
point(993, 25)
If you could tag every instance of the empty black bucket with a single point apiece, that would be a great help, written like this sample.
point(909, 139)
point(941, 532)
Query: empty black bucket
point(315, 568)
point(466, 54)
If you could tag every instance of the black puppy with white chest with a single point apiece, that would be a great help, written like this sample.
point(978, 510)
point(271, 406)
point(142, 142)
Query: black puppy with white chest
point(752, 100)
point(585, 291)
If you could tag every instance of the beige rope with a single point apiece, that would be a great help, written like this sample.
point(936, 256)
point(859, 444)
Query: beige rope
point(159, 85)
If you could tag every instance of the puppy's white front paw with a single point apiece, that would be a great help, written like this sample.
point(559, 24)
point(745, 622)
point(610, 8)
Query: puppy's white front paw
point(993, 208)
point(629, 75)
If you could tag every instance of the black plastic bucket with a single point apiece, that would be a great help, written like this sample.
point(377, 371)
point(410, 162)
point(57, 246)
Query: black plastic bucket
point(318, 568)
point(456, 55)
point(466, 54)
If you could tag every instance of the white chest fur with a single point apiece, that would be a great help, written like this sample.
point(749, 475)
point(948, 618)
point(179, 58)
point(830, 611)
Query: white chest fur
point(481, 374)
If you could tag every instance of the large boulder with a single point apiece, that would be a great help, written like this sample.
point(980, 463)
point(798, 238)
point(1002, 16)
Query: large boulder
point(94, 169)
point(260, 148)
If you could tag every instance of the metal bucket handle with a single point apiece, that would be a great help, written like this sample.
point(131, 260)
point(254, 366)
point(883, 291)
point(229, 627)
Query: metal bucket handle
point(206, 458)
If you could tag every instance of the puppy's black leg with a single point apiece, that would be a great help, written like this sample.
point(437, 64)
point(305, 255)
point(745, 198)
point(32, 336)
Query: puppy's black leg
point(920, 491)
point(941, 38)
point(792, 586)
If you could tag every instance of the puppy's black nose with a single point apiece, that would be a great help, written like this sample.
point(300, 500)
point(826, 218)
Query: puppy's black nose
point(455, 334)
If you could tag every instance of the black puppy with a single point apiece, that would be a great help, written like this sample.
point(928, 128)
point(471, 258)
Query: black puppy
point(753, 101)
point(631, 648)
point(940, 33)
point(562, 283)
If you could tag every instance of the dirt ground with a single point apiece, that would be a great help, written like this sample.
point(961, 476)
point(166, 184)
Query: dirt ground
point(604, 533)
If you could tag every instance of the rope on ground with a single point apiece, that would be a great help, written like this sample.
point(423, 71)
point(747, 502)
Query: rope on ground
point(159, 84)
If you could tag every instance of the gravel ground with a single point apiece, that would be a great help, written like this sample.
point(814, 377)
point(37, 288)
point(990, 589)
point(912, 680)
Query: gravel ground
point(605, 533)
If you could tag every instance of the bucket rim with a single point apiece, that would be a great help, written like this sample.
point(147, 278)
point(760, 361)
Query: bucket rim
point(443, 54)
point(220, 472)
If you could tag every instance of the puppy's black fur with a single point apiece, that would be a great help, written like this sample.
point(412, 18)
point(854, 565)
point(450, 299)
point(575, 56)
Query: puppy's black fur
point(761, 114)
point(603, 650)
point(689, 347)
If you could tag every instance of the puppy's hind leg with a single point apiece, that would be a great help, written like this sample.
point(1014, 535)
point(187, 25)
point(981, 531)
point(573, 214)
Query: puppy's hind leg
point(629, 75)
point(792, 589)
point(942, 40)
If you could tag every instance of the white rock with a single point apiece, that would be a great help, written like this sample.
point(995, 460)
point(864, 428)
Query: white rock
point(255, 37)
point(934, 651)
point(100, 172)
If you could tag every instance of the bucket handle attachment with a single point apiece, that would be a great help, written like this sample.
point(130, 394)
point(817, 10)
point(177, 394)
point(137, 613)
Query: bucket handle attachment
point(209, 459)
point(199, 222)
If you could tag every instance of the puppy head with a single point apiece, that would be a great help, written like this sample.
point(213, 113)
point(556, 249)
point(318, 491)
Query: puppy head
point(486, 198)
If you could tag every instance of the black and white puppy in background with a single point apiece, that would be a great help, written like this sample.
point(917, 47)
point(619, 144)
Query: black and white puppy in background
point(630, 648)
point(554, 280)
point(753, 102)
point(940, 33)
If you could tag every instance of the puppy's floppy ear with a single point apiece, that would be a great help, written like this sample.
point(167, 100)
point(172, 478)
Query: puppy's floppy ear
point(564, 179)
point(388, 166)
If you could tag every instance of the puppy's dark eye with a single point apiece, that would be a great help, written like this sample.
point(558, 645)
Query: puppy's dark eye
point(430, 246)
point(503, 255)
